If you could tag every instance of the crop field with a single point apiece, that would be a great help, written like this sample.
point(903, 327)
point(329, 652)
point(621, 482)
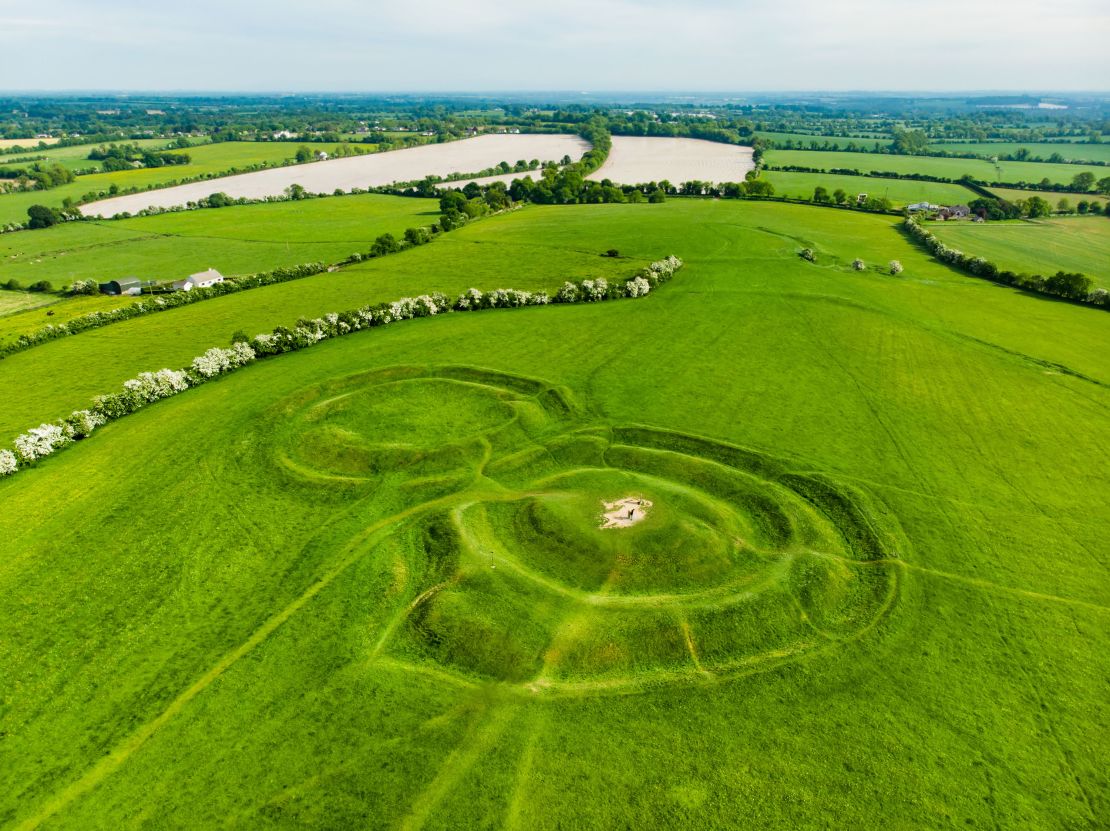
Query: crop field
point(899, 191)
point(636, 160)
point(464, 156)
point(204, 160)
point(1068, 150)
point(233, 240)
point(1013, 172)
point(365, 584)
point(1042, 246)
point(6, 144)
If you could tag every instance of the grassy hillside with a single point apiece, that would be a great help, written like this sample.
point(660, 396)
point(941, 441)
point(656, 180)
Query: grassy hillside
point(1044, 246)
point(899, 191)
point(1012, 172)
point(363, 585)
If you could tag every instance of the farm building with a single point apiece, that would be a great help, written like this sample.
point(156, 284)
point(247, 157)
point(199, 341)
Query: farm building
point(922, 206)
point(124, 286)
point(200, 280)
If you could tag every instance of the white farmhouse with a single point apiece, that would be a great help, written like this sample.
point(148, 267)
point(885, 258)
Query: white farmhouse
point(200, 280)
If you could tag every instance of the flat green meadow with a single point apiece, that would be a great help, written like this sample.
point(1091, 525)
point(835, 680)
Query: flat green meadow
point(900, 192)
point(365, 584)
point(1042, 246)
point(1012, 172)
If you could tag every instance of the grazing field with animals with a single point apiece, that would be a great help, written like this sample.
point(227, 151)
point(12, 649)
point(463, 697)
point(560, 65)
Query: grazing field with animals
point(424, 504)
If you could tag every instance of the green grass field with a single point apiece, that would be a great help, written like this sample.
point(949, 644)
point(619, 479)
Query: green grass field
point(13, 302)
point(1044, 246)
point(899, 191)
point(234, 241)
point(1052, 197)
point(840, 141)
point(364, 585)
point(76, 157)
point(1071, 151)
point(207, 159)
point(1012, 172)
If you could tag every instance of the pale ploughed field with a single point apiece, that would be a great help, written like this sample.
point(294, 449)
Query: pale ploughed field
point(635, 160)
point(372, 170)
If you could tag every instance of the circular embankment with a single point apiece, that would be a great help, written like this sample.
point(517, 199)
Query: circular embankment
point(484, 526)
point(371, 170)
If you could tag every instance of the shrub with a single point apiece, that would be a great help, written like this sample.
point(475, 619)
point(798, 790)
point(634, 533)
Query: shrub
point(8, 463)
point(84, 287)
point(612, 252)
point(858, 264)
point(895, 267)
point(41, 286)
point(808, 255)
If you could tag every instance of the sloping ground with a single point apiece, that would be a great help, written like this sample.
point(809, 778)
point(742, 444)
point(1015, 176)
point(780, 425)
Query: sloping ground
point(634, 160)
point(372, 170)
point(362, 585)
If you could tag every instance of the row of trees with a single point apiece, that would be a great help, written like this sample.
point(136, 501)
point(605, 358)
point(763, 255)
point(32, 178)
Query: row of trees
point(126, 156)
point(1068, 285)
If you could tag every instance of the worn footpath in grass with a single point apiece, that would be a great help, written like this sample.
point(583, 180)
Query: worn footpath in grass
point(337, 603)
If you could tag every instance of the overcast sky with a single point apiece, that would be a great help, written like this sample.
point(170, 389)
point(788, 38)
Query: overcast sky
point(711, 45)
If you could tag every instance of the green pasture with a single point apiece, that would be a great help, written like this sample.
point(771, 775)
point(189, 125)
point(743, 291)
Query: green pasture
point(1052, 197)
point(13, 302)
point(1012, 172)
point(210, 159)
point(76, 157)
point(824, 141)
point(1043, 246)
point(1070, 151)
point(364, 585)
point(899, 191)
point(235, 241)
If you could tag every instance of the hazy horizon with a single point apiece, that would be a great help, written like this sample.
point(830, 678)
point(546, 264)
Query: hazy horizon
point(606, 46)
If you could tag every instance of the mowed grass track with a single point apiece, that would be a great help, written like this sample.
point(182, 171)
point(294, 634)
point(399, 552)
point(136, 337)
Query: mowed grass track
point(899, 191)
point(256, 661)
point(1044, 246)
point(235, 241)
point(1032, 172)
point(203, 160)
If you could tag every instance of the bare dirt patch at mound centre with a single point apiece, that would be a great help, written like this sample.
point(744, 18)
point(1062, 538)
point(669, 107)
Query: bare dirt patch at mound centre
point(625, 512)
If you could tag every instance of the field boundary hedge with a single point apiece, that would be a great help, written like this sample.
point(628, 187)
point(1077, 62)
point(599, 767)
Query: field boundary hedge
point(1078, 288)
point(148, 387)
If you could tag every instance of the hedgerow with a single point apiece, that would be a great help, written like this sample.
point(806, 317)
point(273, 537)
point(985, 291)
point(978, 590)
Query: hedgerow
point(148, 387)
point(1071, 286)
